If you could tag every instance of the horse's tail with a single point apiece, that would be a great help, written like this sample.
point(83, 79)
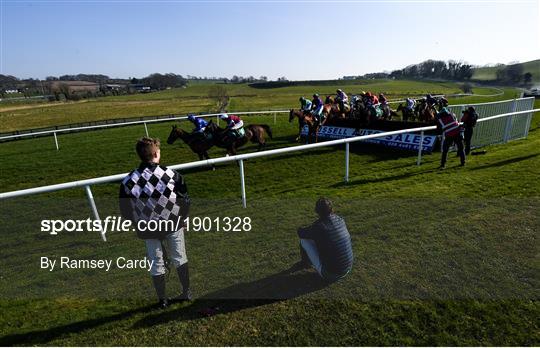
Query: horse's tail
point(267, 129)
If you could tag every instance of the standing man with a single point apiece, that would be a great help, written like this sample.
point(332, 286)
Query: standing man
point(326, 244)
point(155, 192)
point(469, 119)
point(448, 125)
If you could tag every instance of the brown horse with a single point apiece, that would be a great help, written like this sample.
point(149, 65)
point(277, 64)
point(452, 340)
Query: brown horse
point(198, 144)
point(387, 112)
point(332, 110)
point(407, 113)
point(256, 133)
point(305, 119)
point(426, 113)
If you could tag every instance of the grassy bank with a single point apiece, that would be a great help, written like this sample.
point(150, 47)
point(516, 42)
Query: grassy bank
point(441, 257)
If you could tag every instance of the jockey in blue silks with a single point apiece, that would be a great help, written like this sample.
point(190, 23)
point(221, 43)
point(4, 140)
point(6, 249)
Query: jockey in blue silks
point(410, 103)
point(199, 122)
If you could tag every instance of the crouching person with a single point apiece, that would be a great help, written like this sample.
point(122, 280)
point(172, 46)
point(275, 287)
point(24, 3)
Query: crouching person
point(155, 192)
point(326, 244)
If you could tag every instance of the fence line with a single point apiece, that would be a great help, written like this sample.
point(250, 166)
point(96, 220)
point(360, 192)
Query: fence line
point(62, 130)
point(54, 132)
point(240, 159)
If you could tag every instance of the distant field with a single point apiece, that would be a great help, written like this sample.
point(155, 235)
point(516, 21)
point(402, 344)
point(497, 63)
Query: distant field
point(490, 73)
point(194, 99)
point(442, 257)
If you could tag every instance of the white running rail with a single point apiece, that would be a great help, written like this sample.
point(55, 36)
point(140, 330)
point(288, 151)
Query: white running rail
point(241, 158)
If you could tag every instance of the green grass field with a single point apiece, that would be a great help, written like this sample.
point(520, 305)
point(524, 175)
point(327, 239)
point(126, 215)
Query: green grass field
point(441, 257)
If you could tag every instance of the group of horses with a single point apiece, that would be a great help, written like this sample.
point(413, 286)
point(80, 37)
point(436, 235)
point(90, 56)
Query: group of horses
point(423, 111)
point(366, 114)
point(213, 135)
point(334, 110)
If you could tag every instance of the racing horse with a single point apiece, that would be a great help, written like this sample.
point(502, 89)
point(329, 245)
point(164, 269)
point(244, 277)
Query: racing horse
point(407, 113)
point(305, 119)
point(426, 113)
point(387, 112)
point(197, 143)
point(332, 109)
point(256, 133)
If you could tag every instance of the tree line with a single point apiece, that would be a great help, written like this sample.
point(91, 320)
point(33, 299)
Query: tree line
point(435, 69)
point(513, 74)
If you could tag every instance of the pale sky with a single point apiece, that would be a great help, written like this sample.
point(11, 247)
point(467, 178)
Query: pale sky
point(297, 39)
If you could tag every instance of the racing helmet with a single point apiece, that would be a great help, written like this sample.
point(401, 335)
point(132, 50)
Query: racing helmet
point(223, 116)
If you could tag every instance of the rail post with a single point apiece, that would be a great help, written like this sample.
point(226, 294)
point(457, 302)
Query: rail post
point(508, 126)
point(217, 120)
point(242, 183)
point(347, 162)
point(420, 148)
point(94, 208)
point(275, 116)
point(146, 129)
point(56, 141)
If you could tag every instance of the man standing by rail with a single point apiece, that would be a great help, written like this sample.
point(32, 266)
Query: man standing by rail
point(155, 192)
point(448, 125)
point(469, 119)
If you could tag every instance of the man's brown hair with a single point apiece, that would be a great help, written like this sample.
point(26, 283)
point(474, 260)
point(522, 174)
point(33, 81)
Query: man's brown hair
point(146, 147)
point(323, 207)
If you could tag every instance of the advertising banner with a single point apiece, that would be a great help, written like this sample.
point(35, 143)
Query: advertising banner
point(406, 141)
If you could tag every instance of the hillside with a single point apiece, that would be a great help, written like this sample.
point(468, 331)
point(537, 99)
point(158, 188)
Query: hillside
point(490, 73)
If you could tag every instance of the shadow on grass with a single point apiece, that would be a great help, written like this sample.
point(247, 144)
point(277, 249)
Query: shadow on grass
point(277, 287)
point(39, 337)
point(505, 162)
point(384, 179)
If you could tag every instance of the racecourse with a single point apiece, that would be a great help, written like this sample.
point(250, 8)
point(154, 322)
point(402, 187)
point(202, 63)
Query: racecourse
point(442, 257)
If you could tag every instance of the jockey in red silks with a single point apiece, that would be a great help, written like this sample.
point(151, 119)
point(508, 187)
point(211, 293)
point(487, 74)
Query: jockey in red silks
point(234, 124)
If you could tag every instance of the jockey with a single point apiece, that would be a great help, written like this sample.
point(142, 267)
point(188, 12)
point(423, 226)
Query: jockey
point(410, 103)
point(382, 99)
point(305, 105)
point(200, 124)
point(375, 99)
point(443, 102)
point(342, 99)
point(342, 96)
point(234, 124)
point(317, 106)
point(371, 99)
point(367, 98)
point(430, 100)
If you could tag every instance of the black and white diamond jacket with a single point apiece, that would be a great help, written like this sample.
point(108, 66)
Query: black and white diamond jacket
point(154, 192)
